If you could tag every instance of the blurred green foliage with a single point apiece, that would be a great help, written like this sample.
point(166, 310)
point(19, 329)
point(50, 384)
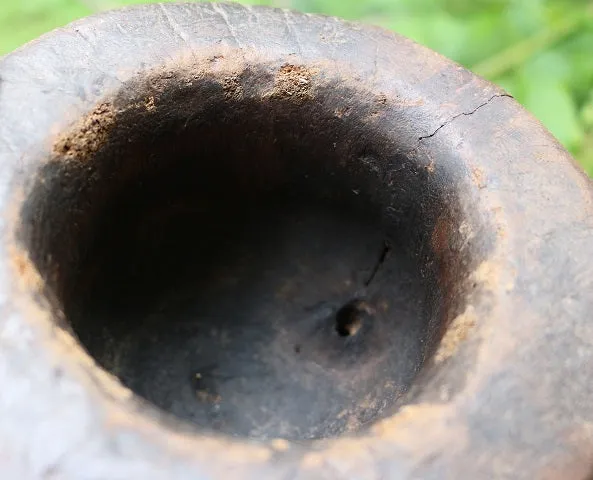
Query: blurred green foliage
point(541, 51)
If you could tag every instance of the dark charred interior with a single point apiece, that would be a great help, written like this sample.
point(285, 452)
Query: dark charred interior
point(258, 264)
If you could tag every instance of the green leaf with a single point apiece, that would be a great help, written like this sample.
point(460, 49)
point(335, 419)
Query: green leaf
point(23, 21)
point(587, 113)
point(554, 106)
point(471, 7)
point(551, 65)
point(526, 16)
point(441, 32)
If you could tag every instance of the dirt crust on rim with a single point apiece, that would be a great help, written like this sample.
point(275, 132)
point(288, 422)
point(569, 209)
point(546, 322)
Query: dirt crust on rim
point(86, 137)
point(457, 332)
point(294, 81)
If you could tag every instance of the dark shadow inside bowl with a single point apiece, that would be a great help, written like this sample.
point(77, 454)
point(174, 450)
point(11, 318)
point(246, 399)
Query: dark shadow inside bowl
point(258, 263)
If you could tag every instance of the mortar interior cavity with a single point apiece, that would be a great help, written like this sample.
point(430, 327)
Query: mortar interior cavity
point(248, 251)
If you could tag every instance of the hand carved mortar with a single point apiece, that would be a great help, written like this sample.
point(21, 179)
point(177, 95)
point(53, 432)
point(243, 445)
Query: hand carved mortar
point(248, 243)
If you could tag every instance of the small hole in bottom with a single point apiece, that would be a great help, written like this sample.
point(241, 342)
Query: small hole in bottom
point(350, 318)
